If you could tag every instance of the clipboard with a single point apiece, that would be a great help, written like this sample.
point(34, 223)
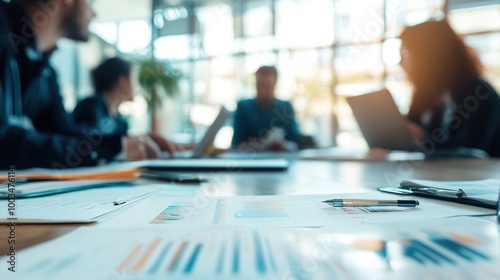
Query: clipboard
point(445, 194)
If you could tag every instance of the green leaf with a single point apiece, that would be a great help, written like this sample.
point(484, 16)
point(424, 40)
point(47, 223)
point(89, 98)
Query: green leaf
point(154, 74)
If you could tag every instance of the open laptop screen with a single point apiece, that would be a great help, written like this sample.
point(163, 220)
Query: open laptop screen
point(212, 131)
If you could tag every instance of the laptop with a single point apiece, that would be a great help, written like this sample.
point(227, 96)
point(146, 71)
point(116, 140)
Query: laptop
point(380, 121)
point(201, 148)
point(213, 165)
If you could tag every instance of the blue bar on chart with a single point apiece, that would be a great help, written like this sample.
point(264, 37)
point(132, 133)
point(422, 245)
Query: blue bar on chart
point(261, 210)
point(192, 260)
point(160, 258)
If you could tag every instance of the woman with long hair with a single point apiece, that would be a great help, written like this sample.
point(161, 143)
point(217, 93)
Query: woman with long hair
point(452, 105)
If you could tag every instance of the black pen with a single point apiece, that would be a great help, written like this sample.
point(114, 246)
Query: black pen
point(371, 203)
point(173, 177)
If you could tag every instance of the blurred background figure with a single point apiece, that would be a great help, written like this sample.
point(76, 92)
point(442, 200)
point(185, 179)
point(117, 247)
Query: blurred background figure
point(113, 85)
point(33, 120)
point(452, 105)
point(265, 122)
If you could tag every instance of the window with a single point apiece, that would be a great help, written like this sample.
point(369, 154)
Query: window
point(325, 50)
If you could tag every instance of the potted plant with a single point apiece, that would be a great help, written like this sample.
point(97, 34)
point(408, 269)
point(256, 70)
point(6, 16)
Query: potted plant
point(157, 79)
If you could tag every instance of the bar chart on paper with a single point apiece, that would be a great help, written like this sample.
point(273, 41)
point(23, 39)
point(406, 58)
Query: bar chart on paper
point(151, 253)
point(292, 211)
point(262, 210)
point(234, 254)
point(222, 212)
point(158, 252)
point(421, 251)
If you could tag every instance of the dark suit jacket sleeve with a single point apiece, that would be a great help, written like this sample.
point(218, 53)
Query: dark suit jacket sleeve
point(29, 148)
point(67, 148)
point(54, 118)
point(55, 147)
point(87, 113)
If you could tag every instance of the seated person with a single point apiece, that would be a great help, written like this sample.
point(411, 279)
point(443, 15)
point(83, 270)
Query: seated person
point(265, 122)
point(113, 86)
point(35, 129)
point(452, 105)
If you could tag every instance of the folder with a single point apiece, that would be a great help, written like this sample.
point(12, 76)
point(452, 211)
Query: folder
point(43, 182)
point(77, 174)
point(480, 193)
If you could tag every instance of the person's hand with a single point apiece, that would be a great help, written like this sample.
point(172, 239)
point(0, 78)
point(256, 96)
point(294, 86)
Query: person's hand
point(377, 154)
point(278, 146)
point(168, 146)
point(251, 145)
point(416, 131)
point(140, 148)
point(258, 146)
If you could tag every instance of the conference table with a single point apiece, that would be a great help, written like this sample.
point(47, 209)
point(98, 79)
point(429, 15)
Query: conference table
point(307, 177)
point(303, 177)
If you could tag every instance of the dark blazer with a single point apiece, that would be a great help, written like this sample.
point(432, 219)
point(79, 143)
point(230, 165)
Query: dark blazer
point(94, 112)
point(470, 119)
point(35, 129)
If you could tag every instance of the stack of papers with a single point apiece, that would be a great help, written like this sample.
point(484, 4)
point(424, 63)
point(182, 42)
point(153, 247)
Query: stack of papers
point(44, 188)
point(75, 207)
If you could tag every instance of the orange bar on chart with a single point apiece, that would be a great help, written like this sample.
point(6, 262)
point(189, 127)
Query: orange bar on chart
point(129, 258)
point(140, 264)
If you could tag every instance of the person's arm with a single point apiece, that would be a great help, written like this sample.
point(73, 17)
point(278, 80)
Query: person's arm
point(477, 128)
point(55, 118)
point(86, 113)
point(29, 148)
point(291, 126)
point(239, 127)
point(26, 147)
point(415, 130)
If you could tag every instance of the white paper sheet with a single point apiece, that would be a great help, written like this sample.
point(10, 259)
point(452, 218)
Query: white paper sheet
point(441, 249)
point(36, 189)
point(282, 211)
point(147, 209)
point(80, 207)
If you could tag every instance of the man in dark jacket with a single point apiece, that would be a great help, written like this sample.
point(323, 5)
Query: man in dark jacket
point(35, 129)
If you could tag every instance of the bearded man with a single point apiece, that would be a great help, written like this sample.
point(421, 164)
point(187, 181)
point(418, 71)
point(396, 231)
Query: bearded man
point(35, 129)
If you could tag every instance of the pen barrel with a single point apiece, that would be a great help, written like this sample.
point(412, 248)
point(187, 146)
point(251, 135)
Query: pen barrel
point(373, 203)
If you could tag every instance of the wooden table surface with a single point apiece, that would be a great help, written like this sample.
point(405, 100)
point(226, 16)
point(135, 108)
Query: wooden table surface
point(303, 177)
